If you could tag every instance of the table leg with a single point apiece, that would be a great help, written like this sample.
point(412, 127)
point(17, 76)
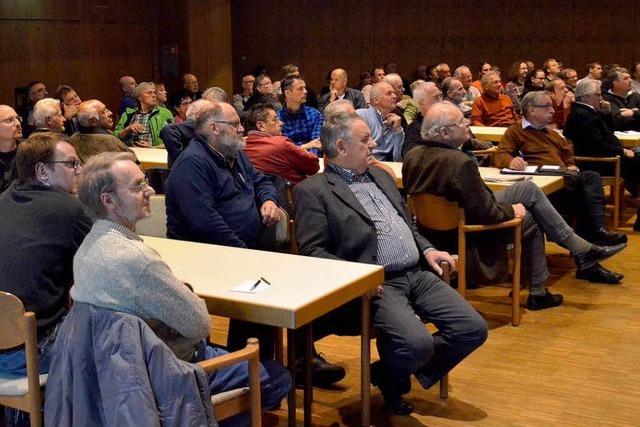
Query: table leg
point(365, 360)
point(291, 364)
point(308, 383)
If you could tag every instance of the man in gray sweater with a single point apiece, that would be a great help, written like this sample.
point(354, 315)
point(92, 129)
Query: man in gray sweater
point(115, 269)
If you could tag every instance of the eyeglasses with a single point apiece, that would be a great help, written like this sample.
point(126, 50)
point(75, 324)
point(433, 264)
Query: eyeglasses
point(547, 106)
point(73, 164)
point(265, 84)
point(10, 120)
point(235, 124)
point(462, 123)
point(139, 188)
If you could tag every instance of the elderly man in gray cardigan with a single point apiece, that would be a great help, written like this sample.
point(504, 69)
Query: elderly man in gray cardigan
point(115, 269)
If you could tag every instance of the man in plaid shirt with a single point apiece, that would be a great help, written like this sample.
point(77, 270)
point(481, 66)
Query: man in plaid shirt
point(300, 123)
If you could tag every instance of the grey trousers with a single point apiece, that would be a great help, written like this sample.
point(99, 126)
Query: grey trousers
point(406, 347)
point(542, 218)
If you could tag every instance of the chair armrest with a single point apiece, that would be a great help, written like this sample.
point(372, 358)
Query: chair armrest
point(488, 227)
point(615, 159)
point(488, 151)
point(251, 351)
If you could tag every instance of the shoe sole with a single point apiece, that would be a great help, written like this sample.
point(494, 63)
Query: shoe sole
point(595, 261)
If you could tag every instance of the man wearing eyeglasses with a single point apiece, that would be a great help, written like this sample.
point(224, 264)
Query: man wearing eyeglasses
point(10, 133)
point(43, 224)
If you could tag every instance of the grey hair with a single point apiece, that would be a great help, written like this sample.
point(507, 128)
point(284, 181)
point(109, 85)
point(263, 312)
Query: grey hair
point(195, 108)
point(485, 79)
point(415, 84)
point(432, 123)
point(142, 87)
point(335, 108)
point(376, 90)
point(44, 109)
point(586, 88)
point(215, 94)
point(97, 177)
point(337, 127)
point(458, 71)
point(420, 91)
point(530, 99)
point(391, 76)
point(206, 116)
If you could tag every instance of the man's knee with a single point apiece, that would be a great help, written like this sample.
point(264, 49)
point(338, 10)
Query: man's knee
point(418, 346)
point(473, 332)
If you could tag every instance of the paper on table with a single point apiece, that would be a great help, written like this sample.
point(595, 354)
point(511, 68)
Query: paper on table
point(549, 168)
point(246, 287)
point(527, 169)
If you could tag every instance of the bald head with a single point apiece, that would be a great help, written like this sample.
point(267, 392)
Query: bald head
point(94, 114)
point(128, 85)
point(10, 128)
point(444, 123)
point(190, 83)
point(340, 106)
point(339, 81)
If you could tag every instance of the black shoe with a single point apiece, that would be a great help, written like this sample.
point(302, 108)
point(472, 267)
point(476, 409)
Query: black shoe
point(392, 399)
point(599, 274)
point(606, 238)
point(597, 254)
point(323, 373)
point(540, 302)
point(399, 406)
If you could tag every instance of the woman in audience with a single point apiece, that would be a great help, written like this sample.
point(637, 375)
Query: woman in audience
point(534, 81)
point(180, 108)
point(161, 93)
point(483, 69)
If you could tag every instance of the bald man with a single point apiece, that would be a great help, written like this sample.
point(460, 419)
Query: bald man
point(10, 133)
point(339, 90)
point(190, 88)
point(127, 86)
point(95, 123)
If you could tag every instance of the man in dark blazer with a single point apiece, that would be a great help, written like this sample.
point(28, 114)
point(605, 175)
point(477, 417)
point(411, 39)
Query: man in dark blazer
point(355, 213)
point(339, 90)
point(590, 128)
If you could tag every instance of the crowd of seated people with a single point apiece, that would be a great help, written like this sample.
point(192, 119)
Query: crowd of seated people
point(223, 154)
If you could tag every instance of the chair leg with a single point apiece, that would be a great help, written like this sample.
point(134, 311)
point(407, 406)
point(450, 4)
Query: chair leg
point(517, 255)
point(444, 387)
point(615, 190)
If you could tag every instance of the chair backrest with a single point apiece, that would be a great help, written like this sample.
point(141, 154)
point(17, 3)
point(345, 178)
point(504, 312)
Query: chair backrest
point(276, 237)
point(13, 327)
point(434, 212)
point(156, 224)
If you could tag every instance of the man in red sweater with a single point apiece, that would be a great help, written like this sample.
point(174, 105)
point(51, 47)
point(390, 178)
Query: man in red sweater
point(271, 152)
point(492, 108)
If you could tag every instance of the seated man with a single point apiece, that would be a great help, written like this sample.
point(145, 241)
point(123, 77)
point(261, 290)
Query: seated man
point(562, 99)
point(10, 134)
point(128, 88)
point(385, 125)
point(176, 136)
point(339, 90)
point(141, 126)
point(300, 123)
point(492, 108)
point(355, 213)
point(594, 72)
point(531, 142)
point(114, 269)
point(570, 77)
point(43, 224)
point(591, 130)
point(69, 101)
point(439, 167)
point(240, 99)
point(625, 103)
point(47, 116)
point(36, 91)
point(94, 122)
point(463, 73)
point(271, 152)
point(454, 92)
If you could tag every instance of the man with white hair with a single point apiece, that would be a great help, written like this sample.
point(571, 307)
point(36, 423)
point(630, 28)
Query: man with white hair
point(425, 94)
point(384, 123)
point(215, 94)
point(493, 107)
point(128, 87)
point(10, 134)
point(397, 83)
point(453, 91)
point(176, 136)
point(95, 122)
point(463, 73)
point(47, 116)
point(590, 128)
point(141, 126)
point(339, 90)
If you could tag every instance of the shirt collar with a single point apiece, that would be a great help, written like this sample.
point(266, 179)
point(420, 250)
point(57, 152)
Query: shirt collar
point(528, 125)
point(586, 105)
point(348, 175)
point(109, 225)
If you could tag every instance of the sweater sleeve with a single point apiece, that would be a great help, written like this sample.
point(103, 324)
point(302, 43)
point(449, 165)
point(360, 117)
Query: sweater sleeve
point(301, 160)
point(477, 113)
point(507, 146)
point(164, 298)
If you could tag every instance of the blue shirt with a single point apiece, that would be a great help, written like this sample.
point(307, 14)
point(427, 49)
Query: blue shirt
point(302, 126)
point(388, 142)
point(210, 200)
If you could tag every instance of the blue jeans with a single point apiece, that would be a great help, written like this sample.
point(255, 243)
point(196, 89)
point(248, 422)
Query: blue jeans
point(275, 382)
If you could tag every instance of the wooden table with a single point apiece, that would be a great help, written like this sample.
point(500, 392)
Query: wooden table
point(151, 157)
point(629, 140)
point(548, 184)
point(302, 289)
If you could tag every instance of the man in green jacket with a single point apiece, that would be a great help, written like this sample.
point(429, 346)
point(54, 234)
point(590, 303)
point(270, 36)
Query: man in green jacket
point(141, 126)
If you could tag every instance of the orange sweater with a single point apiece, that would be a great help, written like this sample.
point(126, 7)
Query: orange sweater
point(489, 111)
point(538, 147)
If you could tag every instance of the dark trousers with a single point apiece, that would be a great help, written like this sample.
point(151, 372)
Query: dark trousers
point(582, 197)
point(405, 345)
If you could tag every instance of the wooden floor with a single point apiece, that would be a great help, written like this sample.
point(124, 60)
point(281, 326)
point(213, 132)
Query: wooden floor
point(575, 365)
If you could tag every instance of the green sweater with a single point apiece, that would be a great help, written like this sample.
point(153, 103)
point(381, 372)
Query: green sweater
point(160, 117)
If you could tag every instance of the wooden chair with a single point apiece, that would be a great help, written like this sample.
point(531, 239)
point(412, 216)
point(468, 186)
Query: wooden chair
point(437, 213)
point(156, 224)
point(17, 328)
point(615, 184)
point(244, 399)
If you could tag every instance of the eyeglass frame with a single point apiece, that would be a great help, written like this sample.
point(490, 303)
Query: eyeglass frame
point(75, 164)
point(11, 120)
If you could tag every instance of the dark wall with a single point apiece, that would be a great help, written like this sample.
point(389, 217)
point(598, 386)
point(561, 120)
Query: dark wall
point(323, 34)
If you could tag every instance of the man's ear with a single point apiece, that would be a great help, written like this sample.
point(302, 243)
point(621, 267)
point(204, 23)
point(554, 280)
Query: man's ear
point(107, 200)
point(260, 125)
point(341, 147)
point(42, 173)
